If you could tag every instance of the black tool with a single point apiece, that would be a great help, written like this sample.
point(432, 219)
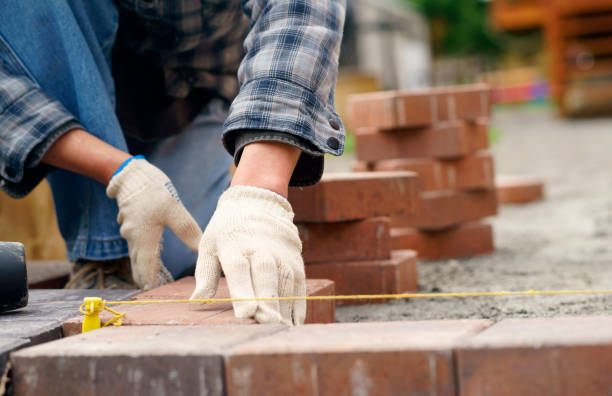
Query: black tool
point(13, 276)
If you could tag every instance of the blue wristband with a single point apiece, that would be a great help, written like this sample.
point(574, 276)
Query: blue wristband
point(127, 161)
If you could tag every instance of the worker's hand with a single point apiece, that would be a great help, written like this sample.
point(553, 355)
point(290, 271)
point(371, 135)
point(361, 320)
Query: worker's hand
point(252, 238)
point(147, 203)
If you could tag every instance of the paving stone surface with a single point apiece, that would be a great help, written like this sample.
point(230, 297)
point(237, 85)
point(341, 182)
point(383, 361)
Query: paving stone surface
point(190, 314)
point(355, 196)
point(519, 189)
point(397, 274)
point(143, 360)
point(393, 358)
point(444, 209)
point(348, 240)
point(552, 356)
point(465, 240)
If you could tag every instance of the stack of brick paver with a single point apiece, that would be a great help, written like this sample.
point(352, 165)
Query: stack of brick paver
point(441, 134)
point(344, 225)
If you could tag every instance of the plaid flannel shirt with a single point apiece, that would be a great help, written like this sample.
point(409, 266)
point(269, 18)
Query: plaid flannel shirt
point(276, 60)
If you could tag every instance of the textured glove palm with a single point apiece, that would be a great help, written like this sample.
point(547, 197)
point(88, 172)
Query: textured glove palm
point(147, 203)
point(252, 238)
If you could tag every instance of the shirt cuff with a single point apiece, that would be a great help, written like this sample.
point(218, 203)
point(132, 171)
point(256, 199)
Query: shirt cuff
point(33, 170)
point(309, 168)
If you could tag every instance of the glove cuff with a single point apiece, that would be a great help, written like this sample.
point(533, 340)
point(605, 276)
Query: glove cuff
point(132, 177)
point(267, 200)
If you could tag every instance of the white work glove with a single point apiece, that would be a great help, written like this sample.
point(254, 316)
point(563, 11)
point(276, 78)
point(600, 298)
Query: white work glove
point(253, 239)
point(147, 203)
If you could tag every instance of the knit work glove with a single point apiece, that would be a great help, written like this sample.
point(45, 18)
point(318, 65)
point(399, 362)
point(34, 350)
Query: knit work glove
point(147, 203)
point(252, 238)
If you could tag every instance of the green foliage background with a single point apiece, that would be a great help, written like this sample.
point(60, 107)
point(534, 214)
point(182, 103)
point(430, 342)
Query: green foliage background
point(460, 27)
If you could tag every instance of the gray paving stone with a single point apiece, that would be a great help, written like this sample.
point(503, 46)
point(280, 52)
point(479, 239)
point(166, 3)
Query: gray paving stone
point(134, 360)
point(41, 320)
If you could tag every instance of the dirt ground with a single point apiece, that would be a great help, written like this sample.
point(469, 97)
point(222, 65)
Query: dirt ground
point(564, 242)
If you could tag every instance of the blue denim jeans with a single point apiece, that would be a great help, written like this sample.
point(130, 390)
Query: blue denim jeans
point(64, 45)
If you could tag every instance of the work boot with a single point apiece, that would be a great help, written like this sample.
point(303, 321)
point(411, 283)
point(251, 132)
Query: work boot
point(112, 274)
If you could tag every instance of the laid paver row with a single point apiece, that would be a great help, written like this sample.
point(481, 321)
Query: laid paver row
point(185, 314)
point(552, 356)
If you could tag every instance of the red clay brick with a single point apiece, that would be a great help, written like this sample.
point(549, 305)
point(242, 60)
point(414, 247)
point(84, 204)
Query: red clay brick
point(394, 358)
point(408, 109)
point(185, 314)
point(395, 275)
point(469, 239)
point(348, 240)
point(468, 102)
point(355, 196)
point(519, 189)
point(535, 357)
point(133, 360)
point(468, 173)
point(479, 134)
point(444, 140)
point(445, 209)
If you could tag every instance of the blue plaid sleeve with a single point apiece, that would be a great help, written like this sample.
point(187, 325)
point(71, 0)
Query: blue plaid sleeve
point(289, 71)
point(30, 122)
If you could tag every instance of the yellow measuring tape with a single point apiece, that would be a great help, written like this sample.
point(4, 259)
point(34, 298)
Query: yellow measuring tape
point(92, 306)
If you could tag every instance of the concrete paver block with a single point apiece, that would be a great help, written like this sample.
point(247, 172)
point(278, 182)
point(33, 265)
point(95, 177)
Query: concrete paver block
point(349, 240)
point(395, 275)
point(543, 356)
point(143, 360)
point(390, 358)
point(355, 196)
point(468, 239)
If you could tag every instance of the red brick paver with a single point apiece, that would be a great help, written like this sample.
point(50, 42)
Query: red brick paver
point(397, 358)
point(467, 239)
point(406, 109)
point(468, 173)
point(395, 275)
point(519, 189)
point(355, 196)
point(445, 209)
point(132, 360)
point(350, 240)
point(535, 357)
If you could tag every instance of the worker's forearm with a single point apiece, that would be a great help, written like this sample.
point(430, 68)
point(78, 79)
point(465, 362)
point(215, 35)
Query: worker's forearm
point(83, 153)
point(267, 165)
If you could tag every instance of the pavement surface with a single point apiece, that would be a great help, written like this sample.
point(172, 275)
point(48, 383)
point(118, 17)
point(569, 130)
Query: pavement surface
point(563, 242)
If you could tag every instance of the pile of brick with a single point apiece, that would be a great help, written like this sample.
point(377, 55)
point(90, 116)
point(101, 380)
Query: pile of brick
point(344, 224)
point(441, 134)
